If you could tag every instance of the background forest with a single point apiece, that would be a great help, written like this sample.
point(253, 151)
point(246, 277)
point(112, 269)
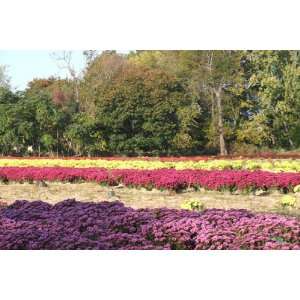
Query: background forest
point(157, 103)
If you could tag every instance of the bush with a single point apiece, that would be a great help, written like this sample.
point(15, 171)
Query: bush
point(288, 201)
point(195, 205)
point(297, 188)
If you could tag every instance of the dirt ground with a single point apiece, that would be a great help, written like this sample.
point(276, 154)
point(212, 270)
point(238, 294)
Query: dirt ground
point(141, 198)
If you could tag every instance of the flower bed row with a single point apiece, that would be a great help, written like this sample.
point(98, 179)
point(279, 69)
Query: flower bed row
point(159, 179)
point(267, 165)
point(111, 225)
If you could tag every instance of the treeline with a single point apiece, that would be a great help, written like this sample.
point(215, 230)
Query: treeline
point(158, 103)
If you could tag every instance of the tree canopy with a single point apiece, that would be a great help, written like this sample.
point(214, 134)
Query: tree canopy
point(158, 103)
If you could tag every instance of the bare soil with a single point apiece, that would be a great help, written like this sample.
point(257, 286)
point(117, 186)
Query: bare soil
point(141, 198)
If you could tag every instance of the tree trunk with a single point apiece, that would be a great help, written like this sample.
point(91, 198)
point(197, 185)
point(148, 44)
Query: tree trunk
point(57, 143)
point(223, 150)
point(286, 129)
point(76, 90)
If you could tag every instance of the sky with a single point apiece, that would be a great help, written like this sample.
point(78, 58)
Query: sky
point(25, 65)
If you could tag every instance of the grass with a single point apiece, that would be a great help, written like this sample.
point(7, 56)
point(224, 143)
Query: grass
point(141, 198)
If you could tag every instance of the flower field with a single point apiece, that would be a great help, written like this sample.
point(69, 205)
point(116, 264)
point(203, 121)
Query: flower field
point(73, 224)
point(111, 225)
point(159, 179)
point(273, 165)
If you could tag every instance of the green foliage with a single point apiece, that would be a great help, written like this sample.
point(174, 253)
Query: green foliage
point(196, 205)
point(84, 137)
point(275, 79)
point(288, 201)
point(48, 141)
point(145, 111)
point(256, 131)
point(158, 103)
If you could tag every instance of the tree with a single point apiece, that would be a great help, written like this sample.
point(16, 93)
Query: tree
point(17, 126)
point(182, 65)
point(275, 78)
point(157, 103)
point(99, 72)
point(90, 55)
point(142, 110)
point(64, 60)
point(60, 91)
point(216, 77)
point(84, 137)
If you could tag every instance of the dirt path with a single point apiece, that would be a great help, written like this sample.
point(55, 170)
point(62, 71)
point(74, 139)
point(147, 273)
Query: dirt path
point(56, 192)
